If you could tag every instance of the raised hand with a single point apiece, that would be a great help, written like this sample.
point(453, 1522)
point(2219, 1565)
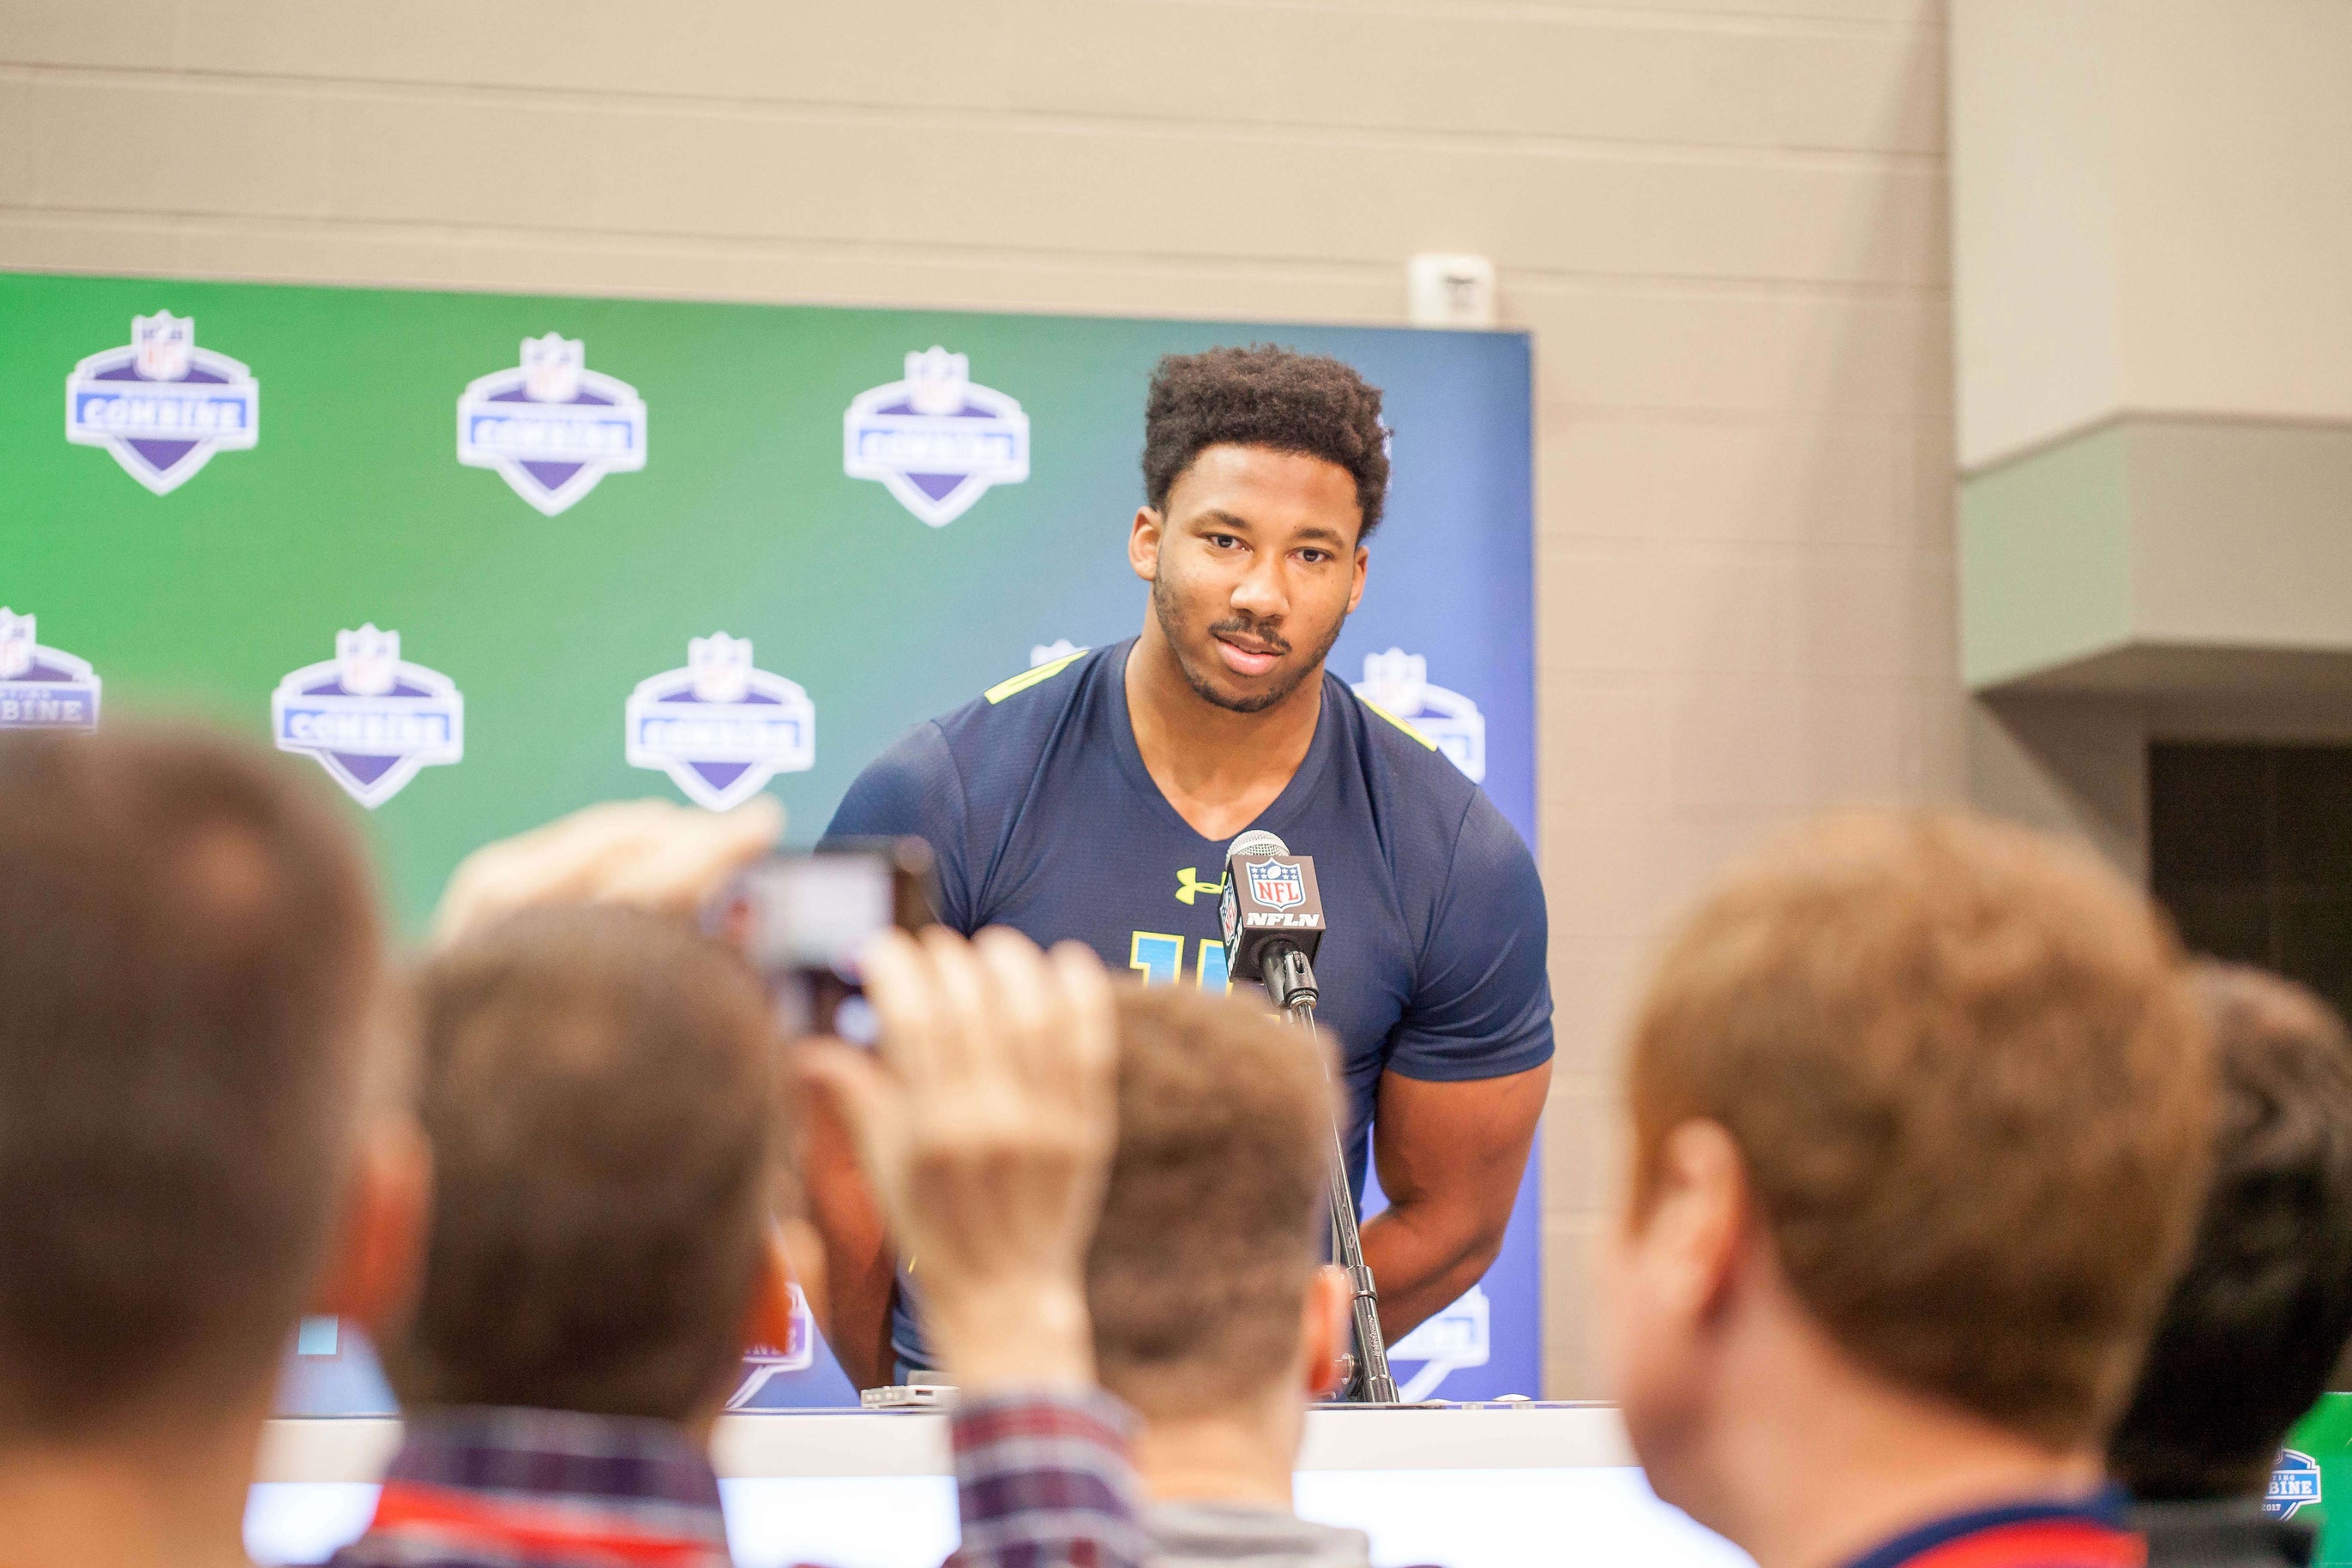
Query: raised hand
point(648, 854)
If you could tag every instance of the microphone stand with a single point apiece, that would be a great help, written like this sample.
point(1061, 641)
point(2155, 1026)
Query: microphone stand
point(1290, 983)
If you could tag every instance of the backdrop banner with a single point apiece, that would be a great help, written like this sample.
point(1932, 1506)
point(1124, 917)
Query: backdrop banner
point(488, 557)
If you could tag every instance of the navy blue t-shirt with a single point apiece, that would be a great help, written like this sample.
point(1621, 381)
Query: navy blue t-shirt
point(1041, 814)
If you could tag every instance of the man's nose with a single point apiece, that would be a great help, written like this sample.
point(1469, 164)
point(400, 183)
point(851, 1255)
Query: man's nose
point(1260, 593)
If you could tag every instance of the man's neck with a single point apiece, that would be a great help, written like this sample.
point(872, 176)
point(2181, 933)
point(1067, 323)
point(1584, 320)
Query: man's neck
point(1821, 1474)
point(1243, 1459)
point(147, 1503)
point(1217, 768)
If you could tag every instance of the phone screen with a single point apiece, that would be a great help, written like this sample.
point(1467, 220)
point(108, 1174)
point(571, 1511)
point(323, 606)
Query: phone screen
point(804, 919)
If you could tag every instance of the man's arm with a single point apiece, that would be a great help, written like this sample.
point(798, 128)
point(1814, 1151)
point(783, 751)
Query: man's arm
point(859, 1276)
point(985, 1123)
point(1450, 1157)
point(1466, 1075)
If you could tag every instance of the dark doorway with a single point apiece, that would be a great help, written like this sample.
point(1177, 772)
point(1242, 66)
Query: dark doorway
point(2251, 848)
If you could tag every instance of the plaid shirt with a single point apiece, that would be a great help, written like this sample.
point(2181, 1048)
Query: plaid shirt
point(1041, 1481)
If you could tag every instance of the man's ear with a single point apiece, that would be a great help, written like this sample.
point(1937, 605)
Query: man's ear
point(1327, 1328)
point(1143, 540)
point(791, 1248)
point(1699, 1218)
point(1356, 594)
point(376, 1259)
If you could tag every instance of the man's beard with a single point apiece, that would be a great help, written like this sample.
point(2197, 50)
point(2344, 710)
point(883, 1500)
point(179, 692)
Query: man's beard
point(1163, 605)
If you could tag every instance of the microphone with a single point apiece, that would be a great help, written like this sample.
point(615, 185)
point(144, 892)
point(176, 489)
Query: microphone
point(1272, 912)
point(1273, 916)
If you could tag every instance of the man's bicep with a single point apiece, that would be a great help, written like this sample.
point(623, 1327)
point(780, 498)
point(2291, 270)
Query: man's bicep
point(853, 1307)
point(1465, 1141)
point(1481, 1006)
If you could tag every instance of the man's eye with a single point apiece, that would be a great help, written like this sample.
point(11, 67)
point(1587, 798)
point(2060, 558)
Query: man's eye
point(1314, 556)
point(1223, 541)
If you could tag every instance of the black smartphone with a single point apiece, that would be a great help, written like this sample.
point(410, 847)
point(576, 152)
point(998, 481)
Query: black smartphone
point(804, 919)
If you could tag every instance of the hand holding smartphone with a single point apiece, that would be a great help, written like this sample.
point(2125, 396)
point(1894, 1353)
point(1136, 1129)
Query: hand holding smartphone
point(805, 919)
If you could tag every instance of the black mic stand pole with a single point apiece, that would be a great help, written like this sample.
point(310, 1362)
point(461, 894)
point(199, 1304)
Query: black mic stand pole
point(1290, 984)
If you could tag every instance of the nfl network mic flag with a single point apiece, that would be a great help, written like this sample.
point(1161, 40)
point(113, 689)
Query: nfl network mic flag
point(483, 559)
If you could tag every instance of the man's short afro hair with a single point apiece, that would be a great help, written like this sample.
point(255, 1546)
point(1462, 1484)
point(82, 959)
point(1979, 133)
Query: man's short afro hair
point(1264, 396)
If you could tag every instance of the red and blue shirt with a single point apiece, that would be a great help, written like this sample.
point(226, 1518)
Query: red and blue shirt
point(2083, 1533)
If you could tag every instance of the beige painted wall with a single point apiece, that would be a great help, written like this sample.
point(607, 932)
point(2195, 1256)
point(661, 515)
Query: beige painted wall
point(1723, 220)
point(2149, 213)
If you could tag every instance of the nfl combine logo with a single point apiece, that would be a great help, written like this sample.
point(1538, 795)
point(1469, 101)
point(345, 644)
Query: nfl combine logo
point(1276, 884)
point(1397, 683)
point(160, 405)
point(2294, 1484)
point(41, 688)
point(370, 718)
point(719, 727)
point(551, 426)
point(937, 440)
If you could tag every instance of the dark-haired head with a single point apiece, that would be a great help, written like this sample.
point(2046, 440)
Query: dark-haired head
point(1264, 396)
point(1264, 470)
point(2263, 1310)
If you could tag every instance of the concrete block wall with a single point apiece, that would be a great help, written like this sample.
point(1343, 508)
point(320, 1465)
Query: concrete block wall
point(1724, 220)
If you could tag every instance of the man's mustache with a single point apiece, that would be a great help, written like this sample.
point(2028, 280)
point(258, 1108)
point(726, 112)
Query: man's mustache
point(1248, 628)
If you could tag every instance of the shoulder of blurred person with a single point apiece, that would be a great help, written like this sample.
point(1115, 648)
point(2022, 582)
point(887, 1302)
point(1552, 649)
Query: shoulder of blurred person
point(2261, 1314)
point(2222, 1532)
point(1921, 1108)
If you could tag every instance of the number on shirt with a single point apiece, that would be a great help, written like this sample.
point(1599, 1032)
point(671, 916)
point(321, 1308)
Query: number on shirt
point(1160, 956)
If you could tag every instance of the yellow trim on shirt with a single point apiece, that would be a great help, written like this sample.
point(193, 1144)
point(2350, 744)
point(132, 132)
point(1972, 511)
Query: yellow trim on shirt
point(1027, 678)
point(1392, 719)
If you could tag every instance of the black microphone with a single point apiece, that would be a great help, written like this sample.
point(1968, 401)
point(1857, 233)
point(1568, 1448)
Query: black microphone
point(1273, 917)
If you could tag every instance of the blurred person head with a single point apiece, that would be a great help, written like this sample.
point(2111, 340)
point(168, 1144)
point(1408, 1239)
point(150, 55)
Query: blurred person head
point(602, 1092)
point(202, 1129)
point(1919, 1116)
point(2264, 1306)
point(1263, 473)
point(1214, 1316)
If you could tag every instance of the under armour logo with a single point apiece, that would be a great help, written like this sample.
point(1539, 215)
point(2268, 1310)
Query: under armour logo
point(1189, 884)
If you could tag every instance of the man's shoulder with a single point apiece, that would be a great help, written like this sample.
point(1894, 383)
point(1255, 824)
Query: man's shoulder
point(1437, 824)
point(978, 758)
point(1031, 702)
point(1405, 767)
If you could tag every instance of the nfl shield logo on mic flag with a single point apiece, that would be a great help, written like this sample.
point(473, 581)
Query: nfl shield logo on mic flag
point(1276, 884)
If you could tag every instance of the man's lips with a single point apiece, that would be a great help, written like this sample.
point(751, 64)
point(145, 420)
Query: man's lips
point(1248, 656)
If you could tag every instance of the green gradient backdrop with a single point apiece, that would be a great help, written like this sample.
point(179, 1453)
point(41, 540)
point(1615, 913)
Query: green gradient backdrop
point(354, 508)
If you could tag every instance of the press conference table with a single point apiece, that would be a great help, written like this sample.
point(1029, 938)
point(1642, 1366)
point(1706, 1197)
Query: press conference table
point(1466, 1486)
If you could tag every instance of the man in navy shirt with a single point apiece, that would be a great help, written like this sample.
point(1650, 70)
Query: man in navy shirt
point(1093, 798)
